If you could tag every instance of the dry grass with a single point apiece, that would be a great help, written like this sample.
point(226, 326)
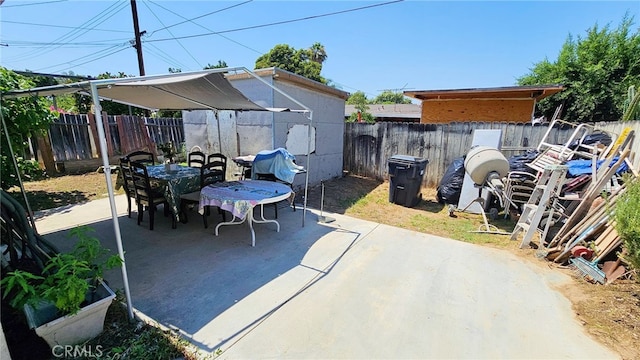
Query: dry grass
point(610, 313)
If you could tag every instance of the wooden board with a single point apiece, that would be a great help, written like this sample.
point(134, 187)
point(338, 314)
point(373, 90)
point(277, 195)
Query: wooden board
point(444, 111)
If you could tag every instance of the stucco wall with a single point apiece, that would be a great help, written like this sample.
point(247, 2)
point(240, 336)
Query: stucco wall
point(328, 121)
point(244, 133)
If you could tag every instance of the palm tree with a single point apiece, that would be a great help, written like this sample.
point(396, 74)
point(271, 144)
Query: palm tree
point(317, 53)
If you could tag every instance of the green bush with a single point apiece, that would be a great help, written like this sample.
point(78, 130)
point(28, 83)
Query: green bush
point(627, 215)
point(29, 171)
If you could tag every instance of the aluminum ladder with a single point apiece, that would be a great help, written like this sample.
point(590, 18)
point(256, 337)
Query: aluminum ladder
point(544, 197)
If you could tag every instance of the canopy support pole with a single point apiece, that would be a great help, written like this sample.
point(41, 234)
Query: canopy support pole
point(15, 165)
point(112, 202)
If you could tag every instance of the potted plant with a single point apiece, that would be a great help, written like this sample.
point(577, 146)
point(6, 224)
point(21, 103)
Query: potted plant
point(169, 153)
point(68, 302)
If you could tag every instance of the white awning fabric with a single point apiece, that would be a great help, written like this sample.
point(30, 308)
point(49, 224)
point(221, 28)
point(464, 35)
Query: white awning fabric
point(204, 90)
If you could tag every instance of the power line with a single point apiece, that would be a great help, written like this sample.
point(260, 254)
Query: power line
point(92, 60)
point(199, 17)
point(22, 43)
point(279, 22)
point(178, 41)
point(31, 4)
point(195, 23)
point(60, 26)
point(72, 35)
point(154, 50)
point(94, 56)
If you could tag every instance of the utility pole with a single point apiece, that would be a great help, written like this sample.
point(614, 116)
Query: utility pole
point(138, 44)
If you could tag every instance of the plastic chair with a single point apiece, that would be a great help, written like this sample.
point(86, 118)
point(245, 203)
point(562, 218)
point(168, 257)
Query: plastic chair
point(196, 159)
point(147, 196)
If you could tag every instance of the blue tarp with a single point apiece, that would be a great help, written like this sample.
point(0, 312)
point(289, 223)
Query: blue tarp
point(579, 167)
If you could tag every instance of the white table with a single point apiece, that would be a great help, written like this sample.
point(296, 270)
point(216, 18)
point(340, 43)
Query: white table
point(241, 197)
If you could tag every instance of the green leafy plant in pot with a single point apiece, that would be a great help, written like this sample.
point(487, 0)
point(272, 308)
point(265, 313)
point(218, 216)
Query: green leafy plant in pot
point(70, 290)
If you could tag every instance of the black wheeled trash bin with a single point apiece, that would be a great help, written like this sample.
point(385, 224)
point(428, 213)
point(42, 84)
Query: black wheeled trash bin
point(405, 176)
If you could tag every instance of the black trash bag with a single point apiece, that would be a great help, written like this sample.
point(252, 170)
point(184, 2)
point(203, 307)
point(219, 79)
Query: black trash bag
point(519, 162)
point(591, 139)
point(450, 187)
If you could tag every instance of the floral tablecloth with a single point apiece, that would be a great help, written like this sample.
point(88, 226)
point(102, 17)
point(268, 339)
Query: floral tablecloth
point(239, 197)
point(173, 184)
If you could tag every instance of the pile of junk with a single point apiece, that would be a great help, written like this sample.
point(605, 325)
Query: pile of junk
point(562, 197)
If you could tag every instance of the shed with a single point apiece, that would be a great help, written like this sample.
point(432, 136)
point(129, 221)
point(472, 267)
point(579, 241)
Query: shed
point(510, 103)
point(246, 133)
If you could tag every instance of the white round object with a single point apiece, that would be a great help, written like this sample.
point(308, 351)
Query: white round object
point(483, 160)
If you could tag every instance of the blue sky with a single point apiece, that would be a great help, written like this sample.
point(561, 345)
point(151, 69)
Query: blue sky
point(411, 45)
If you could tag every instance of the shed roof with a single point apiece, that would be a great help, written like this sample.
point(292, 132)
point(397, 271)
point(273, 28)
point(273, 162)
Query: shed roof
point(281, 74)
point(537, 92)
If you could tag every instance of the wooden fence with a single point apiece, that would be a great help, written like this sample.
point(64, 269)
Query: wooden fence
point(75, 137)
point(367, 147)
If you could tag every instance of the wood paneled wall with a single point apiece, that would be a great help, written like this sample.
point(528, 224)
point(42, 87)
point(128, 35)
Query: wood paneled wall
point(445, 111)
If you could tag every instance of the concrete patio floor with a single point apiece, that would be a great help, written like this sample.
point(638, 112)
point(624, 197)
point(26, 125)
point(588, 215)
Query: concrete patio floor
point(347, 289)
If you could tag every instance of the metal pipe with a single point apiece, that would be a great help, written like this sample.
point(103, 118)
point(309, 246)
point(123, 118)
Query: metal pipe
point(112, 202)
point(15, 164)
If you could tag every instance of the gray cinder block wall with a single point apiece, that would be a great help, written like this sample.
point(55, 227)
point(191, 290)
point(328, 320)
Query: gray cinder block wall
point(246, 133)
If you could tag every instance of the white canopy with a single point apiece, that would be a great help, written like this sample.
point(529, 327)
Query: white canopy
point(208, 90)
point(181, 91)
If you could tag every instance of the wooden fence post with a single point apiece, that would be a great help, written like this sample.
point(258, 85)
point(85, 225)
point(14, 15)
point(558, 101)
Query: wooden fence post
point(94, 132)
point(45, 154)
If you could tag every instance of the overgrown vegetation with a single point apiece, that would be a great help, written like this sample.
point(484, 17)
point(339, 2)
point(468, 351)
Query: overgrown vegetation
point(24, 117)
point(596, 69)
point(627, 215)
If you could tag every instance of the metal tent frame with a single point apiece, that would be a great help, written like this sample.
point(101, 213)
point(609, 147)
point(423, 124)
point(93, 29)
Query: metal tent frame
point(181, 89)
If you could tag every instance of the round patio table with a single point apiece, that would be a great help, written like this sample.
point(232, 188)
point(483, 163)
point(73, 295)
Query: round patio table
point(241, 197)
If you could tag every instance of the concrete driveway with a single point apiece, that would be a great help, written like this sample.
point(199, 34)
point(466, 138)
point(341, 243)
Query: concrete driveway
point(349, 289)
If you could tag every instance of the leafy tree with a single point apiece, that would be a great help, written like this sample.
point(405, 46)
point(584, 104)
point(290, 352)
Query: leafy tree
point(24, 117)
point(174, 70)
point(358, 97)
point(597, 70)
point(296, 61)
point(390, 97)
point(220, 65)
